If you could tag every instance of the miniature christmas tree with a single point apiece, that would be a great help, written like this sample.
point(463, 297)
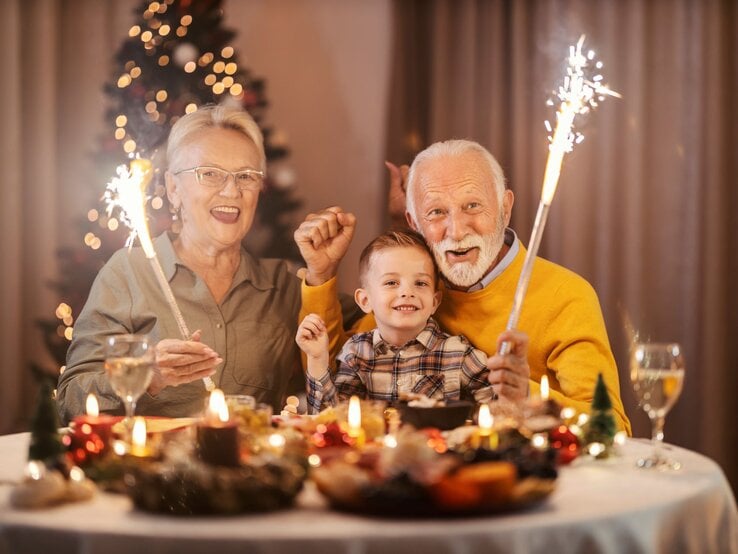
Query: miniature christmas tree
point(46, 444)
point(601, 425)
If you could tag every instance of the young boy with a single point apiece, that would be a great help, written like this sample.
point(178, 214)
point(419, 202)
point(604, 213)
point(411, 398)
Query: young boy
point(407, 352)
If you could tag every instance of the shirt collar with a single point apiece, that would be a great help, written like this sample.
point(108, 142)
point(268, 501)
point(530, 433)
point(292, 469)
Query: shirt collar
point(513, 242)
point(248, 268)
point(426, 338)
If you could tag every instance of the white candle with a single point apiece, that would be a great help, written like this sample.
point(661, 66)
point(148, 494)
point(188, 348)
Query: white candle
point(544, 388)
point(355, 430)
point(138, 437)
point(354, 415)
point(91, 406)
point(485, 420)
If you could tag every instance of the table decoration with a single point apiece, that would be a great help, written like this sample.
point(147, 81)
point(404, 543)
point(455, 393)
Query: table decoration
point(253, 419)
point(372, 418)
point(599, 430)
point(443, 416)
point(43, 487)
point(217, 434)
point(207, 476)
point(46, 442)
point(190, 487)
point(140, 447)
point(565, 442)
point(91, 434)
point(540, 412)
point(484, 436)
point(355, 431)
point(415, 478)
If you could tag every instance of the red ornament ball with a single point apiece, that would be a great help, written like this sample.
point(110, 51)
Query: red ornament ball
point(84, 447)
point(565, 442)
point(330, 435)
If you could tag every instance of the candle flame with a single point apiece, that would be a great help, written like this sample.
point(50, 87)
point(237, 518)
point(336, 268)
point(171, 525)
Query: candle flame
point(578, 95)
point(354, 414)
point(544, 387)
point(484, 419)
point(127, 192)
point(138, 435)
point(217, 407)
point(91, 406)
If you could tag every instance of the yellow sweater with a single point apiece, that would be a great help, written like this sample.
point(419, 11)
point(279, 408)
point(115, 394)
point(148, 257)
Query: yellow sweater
point(561, 315)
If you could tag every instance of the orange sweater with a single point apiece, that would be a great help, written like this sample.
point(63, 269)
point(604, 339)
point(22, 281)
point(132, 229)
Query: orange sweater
point(561, 315)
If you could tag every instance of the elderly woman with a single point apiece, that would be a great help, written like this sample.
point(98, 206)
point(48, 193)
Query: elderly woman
point(245, 310)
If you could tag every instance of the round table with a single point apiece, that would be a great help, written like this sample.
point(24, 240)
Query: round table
point(598, 506)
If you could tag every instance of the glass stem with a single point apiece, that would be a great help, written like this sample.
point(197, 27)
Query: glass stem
point(130, 406)
point(657, 436)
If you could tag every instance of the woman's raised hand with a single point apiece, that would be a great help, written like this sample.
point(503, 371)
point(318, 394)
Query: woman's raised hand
point(323, 240)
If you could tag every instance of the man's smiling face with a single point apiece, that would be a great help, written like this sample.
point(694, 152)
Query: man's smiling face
point(461, 216)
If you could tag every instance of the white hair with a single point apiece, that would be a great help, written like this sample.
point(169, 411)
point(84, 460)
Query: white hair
point(451, 148)
point(215, 116)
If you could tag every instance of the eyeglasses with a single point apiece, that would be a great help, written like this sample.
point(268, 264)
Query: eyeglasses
point(213, 177)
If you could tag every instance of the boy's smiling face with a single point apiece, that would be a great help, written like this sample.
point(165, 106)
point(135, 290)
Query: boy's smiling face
point(400, 288)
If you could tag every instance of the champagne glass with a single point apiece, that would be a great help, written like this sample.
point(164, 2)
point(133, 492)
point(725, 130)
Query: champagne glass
point(129, 363)
point(657, 374)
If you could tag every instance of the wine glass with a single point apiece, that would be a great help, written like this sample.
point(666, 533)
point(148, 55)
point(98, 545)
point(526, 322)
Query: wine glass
point(657, 374)
point(129, 363)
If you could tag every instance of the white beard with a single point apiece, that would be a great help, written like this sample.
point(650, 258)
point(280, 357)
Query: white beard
point(466, 274)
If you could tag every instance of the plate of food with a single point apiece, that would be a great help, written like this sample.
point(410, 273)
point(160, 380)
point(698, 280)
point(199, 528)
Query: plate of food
point(414, 479)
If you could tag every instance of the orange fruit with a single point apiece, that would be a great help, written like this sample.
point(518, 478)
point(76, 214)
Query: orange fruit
point(494, 481)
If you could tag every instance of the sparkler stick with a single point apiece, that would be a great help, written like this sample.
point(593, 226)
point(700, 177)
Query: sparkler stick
point(578, 95)
point(127, 192)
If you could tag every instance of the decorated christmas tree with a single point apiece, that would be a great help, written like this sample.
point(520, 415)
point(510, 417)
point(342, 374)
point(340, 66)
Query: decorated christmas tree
point(177, 56)
point(600, 427)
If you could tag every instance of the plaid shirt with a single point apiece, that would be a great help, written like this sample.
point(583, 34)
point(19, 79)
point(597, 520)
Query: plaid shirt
point(433, 363)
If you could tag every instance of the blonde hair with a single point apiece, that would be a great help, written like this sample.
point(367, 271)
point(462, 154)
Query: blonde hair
point(394, 239)
point(224, 117)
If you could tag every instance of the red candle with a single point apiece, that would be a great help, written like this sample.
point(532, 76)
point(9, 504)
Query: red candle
point(94, 423)
point(217, 435)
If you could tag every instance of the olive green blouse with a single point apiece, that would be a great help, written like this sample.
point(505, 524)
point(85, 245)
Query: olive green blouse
point(252, 329)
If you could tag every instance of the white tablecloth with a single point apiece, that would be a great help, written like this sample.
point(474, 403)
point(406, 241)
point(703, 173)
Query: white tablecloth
point(608, 506)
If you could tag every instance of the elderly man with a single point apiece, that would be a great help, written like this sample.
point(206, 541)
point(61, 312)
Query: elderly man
point(456, 198)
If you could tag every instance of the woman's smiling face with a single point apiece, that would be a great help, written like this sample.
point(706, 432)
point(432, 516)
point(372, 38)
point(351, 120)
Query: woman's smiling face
point(214, 218)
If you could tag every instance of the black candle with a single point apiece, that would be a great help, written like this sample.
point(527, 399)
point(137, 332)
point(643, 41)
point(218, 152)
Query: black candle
point(217, 435)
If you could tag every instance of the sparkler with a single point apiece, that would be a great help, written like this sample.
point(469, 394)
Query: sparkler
point(577, 95)
point(127, 192)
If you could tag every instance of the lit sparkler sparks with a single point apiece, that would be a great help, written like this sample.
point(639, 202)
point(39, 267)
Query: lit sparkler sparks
point(127, 192)
point(577, 95)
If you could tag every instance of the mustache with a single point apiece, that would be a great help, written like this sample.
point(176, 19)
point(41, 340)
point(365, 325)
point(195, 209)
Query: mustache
point(470, 241)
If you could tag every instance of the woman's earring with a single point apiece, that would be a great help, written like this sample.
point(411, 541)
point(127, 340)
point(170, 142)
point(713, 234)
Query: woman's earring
point(176, 221)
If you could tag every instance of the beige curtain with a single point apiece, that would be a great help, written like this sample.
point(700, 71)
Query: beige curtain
point(56, 56)
point(646, 207)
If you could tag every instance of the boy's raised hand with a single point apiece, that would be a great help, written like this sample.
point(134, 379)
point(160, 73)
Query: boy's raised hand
point(312, 338)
